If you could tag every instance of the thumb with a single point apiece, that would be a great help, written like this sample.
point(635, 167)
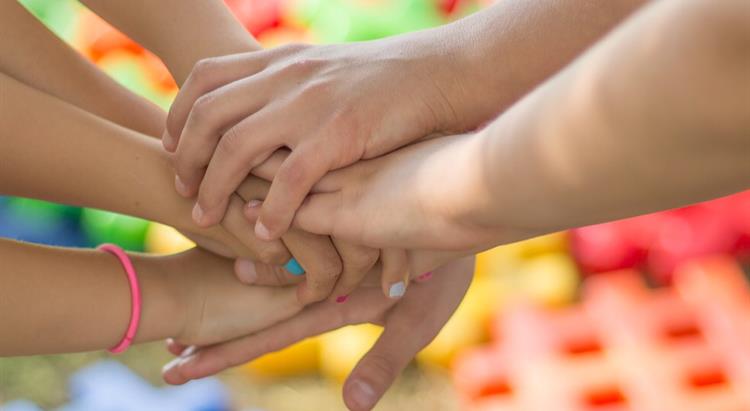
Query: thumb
point(380, 367)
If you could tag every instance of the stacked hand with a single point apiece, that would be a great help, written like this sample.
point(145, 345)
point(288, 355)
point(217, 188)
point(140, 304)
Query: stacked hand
point(291, 116)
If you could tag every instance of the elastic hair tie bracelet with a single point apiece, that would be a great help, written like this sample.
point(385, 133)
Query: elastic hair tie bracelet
point(135, 297)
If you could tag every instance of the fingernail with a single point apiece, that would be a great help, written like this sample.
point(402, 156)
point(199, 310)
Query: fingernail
point(363, 394)
point(198, 214)
point(254, 203)
point(293, 267)
point(167, 141)
point(170, 365)
point(262, 232)
point(182, 189)
point(246, 271)
point(425, 276)
point(342, 299)
point(397, 290)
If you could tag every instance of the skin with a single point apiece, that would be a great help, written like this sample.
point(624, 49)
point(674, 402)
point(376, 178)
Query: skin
point(144, 187)
point(78, 82)
point(643, 111)
point(185, 34)
point(192, 297)
point(409, 325)
point(333, 105)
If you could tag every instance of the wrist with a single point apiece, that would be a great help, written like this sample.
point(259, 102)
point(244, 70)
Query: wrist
point(163, 301)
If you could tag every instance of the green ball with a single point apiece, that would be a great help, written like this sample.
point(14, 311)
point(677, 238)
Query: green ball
point(41, 212)
point(106, 227)
point(60, 16)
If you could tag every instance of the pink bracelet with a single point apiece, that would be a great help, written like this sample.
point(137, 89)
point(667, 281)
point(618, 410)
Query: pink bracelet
point(135, 295)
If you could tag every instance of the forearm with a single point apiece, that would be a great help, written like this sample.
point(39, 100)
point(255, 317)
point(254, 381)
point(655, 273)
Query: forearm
point(654, 117)
point(180, 32)
point(55, 300)
point(46, 63)
point(54, 151)
point(505, 51)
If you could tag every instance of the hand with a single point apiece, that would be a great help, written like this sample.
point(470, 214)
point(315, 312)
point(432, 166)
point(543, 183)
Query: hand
point(409, 326)
point(419, 197)
point(331, 105)
point(332, 267)
point(216, 306)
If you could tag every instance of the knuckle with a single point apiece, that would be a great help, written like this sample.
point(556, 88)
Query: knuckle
point(302, 66)
point(203, 107)
point(361, 260)
point(230, 143)
point(379, 368)
point(272, 255)
point(203, 69)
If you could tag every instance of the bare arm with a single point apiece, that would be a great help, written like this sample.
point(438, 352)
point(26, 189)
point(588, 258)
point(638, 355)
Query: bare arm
point(180, 32)
point(656, 116)
point(55, 151)
point(56, 300)
point(45, 62)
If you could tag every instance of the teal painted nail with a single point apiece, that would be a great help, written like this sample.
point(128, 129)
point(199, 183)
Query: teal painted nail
point(294, 268)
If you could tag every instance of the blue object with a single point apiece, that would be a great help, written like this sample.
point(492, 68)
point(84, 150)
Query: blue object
point(40, 222)
point(110, 386)
point(294, 268)
point(22, 405)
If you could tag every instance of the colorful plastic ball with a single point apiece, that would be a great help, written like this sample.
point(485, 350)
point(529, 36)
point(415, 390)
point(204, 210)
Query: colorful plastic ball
point(469, 324)
point(163, 239)
point(41, 222)
point(550, 280)
point(106, 227)
point(299, 359)
point(342, 349)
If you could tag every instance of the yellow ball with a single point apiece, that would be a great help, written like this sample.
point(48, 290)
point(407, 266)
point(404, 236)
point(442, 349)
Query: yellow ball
point(342, 349)
point(550, 279)
point(302, 358)
point(468, 325)
point(162, 239)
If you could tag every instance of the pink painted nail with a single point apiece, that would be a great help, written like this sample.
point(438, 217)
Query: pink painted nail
point(342, 299)
point(425, 276)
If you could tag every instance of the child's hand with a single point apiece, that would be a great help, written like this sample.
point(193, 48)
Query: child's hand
point(331, 105)
point(216, 306)
point(413, 198)
point(409, 326)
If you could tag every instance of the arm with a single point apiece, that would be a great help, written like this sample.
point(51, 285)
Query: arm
point(655, 116)
point(54, 151)
point(180, 32)
point(45, 62)
point(63, 300)
point(336, 104)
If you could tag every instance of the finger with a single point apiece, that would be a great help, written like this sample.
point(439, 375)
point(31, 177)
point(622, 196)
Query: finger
point(357, 262)
point(319, 215)
point(268, 169)
point(268, 252)
point(313, 320)
point(232, 161)
point(409, 327)
point(293, 181)
point(254, 273)
point(380, 367)
point(320, 261)
point(174, 347)
point(207, 75)
point(210, 117)
point(395, 276)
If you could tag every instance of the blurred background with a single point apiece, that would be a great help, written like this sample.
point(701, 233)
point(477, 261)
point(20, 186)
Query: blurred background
point(649, 313)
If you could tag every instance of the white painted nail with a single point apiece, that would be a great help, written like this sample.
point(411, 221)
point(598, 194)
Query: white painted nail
point(397, 290)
